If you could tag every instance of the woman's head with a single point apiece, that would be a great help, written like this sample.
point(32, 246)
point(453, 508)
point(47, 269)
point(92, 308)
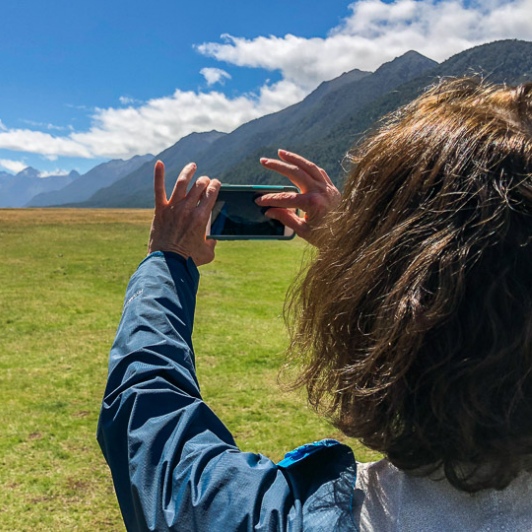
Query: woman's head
point(416, 314)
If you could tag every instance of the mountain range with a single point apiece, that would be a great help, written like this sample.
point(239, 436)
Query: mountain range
point(16, 190)
point(321, 127)
point(85, 186)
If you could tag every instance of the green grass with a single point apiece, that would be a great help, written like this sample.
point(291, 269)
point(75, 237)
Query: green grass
point(63, 275)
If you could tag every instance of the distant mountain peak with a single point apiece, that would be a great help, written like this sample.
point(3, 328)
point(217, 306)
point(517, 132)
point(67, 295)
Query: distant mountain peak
point(146, 156)
point(412, 53)
point(409, 58)
point(29, 172)
point(204, 135)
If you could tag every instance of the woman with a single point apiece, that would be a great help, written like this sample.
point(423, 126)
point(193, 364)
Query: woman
point(414, 324)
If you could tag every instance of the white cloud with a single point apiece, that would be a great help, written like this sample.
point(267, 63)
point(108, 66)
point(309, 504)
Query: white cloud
point(373, 33)
point(161, 122)
point(376, 32)
point(13, 166)
point(214, 75)
point(154, 126)
point(2, 126)
point(30, 141)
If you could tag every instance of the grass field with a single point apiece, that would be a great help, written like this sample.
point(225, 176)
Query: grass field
point(63, 275)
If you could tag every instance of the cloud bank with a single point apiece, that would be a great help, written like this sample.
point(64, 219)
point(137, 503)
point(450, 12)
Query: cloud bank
point(376, 32)
point(373, 33)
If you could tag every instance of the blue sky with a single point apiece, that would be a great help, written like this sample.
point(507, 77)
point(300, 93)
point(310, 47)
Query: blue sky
point(83, 82)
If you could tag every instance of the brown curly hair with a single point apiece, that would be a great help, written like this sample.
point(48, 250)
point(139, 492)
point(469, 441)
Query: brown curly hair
point(414, 319)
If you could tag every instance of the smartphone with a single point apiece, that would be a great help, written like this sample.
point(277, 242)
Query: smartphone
point(236, 216)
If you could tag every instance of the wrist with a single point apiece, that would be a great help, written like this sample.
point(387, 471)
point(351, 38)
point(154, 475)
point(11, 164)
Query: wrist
point(152, 248)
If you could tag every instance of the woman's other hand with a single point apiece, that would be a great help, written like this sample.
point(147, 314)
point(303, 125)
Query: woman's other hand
point(318, 195)
point(179, 223)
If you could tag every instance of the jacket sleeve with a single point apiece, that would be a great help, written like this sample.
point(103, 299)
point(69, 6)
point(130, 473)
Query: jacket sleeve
point(174, 464)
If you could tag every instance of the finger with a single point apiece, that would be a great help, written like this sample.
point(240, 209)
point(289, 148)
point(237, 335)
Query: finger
point(302, 172)
point(181, 184)
point(158, 183)
point(309, 202)
point(326, 178)
point(286, 200)
point(210, 194)
point(194, 194)
point(297, 176)
point(311, 168)
point(291, 220)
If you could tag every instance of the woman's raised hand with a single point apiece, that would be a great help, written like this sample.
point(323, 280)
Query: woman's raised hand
point(179, 223)
point(318, 194)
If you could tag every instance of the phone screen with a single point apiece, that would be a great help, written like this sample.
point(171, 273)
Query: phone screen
point(236, 215)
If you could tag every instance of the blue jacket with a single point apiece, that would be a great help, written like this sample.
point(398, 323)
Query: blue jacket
point(175, 466)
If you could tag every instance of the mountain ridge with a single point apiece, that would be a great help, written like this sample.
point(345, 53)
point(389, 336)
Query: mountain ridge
point(506, 61)
point(175, 156)
point(312, 113)
point(322, 127)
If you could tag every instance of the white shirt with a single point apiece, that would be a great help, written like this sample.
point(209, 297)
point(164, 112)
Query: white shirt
point(387, 499)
